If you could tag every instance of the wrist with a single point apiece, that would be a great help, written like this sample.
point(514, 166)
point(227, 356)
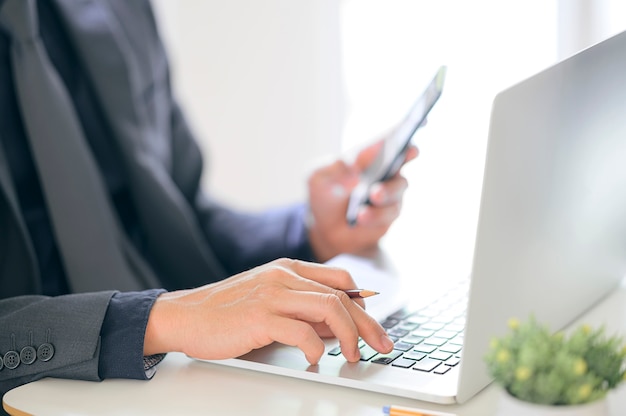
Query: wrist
point(159, 337)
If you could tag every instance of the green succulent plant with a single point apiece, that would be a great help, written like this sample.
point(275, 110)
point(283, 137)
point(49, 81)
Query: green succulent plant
point(537, 366)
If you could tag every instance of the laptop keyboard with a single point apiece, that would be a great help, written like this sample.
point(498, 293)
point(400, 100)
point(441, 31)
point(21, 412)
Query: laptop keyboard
point(428, 339)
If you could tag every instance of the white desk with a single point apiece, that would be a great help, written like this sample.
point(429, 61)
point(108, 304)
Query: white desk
point(186, 387)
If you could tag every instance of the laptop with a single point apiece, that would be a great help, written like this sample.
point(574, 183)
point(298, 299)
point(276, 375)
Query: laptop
point(550, 240)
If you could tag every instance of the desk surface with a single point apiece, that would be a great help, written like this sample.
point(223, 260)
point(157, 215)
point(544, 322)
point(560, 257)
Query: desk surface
point(186, 386)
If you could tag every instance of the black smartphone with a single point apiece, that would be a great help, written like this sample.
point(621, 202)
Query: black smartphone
point(393, 152)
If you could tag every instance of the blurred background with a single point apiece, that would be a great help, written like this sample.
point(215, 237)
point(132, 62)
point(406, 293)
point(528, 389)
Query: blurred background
point(274, 87)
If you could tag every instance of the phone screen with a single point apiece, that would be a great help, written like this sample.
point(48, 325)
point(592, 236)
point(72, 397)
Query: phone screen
point(392, 155)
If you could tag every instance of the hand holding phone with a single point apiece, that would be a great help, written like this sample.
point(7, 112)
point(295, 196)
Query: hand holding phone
point(393, 152)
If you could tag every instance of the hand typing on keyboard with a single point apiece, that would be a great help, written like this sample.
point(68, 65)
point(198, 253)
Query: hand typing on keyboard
point(428, 339)
point(288, 301)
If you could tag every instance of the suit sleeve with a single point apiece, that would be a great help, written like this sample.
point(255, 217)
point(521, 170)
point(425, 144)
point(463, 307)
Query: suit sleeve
point(60, 335)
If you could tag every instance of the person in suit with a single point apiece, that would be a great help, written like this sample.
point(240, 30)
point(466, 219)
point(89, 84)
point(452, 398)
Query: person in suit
point(111, 254)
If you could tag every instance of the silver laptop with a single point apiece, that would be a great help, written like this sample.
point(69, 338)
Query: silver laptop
point(551, 239)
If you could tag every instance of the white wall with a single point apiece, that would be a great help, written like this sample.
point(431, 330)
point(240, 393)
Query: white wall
point(270, 85)
point(261, 84)
point(582, 23)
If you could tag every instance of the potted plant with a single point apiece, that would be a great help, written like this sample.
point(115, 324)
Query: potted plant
point(543, 373)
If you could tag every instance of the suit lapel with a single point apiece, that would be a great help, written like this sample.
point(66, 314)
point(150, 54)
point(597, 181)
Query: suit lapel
point(19, 273)
point(119, 47)
point(6, 183)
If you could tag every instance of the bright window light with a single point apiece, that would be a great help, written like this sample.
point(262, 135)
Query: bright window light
point(391, 50)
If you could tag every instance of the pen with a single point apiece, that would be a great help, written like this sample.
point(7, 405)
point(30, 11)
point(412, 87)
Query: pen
point(360, 293)
point(411, 411)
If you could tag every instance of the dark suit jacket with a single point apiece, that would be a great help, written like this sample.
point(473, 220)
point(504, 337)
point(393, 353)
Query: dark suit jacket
point(192, 238)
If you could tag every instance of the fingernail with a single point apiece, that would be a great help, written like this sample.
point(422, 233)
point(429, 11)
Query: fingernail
point(387, 343)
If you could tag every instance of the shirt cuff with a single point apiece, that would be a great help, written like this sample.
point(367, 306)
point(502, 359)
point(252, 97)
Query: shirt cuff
point(150, 362)
point(122, 336)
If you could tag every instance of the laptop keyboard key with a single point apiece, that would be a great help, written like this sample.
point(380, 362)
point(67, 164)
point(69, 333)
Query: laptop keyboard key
point(414, 355)
point(403, 363)
point(402, 313)
point(389, 323)
point(454, 327)
point(425, 348)
point(367, 353)
point(422, 333)
point(386, 358)
point(417, 334)
point(417, 319)
point(426, 364)
point(445, 334)
point(458, 340)
point(413, 339)
point(397, 332)
point(440, 355)
point(408, 326)
point(432, 326)
point(442, 369)
point(335, 351)
point(402, 346)
point(452, 361)
point(435, 341)
point(452, 348)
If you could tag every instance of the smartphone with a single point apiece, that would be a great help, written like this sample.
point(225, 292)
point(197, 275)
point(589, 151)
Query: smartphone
point(393, 152)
